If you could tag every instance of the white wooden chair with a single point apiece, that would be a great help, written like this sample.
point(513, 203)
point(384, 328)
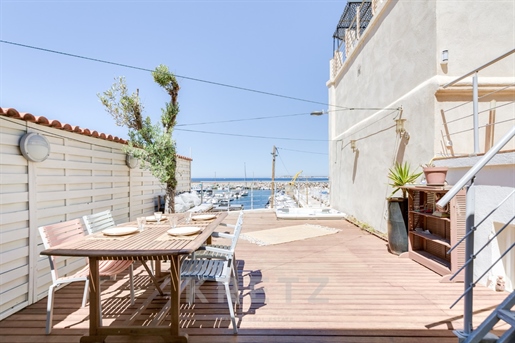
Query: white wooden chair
point(60, 233)
point(103, 220)
point(216, 263)
point(211, 270)
point(98, 221)
point(212, 250)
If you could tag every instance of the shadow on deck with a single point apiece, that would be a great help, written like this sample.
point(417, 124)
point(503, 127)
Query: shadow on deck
point(343, 287)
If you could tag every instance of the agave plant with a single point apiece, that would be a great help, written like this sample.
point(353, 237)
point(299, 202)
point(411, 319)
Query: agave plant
point(400, 175)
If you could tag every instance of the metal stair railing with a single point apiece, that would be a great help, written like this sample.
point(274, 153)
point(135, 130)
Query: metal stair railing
point(475, 91)
point(503, 311)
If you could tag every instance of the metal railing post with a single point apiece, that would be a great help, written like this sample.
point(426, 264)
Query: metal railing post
point(469, 252)
point(475, 100)
point(476, 168)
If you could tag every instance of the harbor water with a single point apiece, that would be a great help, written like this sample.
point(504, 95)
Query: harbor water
point(259, 189)
point(256, 199)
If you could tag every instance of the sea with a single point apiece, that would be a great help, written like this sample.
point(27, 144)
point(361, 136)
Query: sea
point(257, 198)
point(260, 179)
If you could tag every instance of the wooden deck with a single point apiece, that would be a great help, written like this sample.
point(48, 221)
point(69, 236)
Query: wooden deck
point(344, 287)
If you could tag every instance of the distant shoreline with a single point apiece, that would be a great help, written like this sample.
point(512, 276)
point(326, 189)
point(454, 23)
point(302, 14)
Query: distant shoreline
point(261, 179)
point(256, 184)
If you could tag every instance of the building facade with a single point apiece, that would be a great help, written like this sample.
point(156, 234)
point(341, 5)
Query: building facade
point(389, 101)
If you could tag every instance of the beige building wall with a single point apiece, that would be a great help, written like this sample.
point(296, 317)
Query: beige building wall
point(396, 63)
point(82, 175)
point(183, 174)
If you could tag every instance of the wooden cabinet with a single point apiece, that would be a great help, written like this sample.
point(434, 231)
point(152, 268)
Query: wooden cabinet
point(431, 234)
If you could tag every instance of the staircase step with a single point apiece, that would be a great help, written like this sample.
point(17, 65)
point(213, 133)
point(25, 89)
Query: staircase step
point(508, 316)
point(508, 336)
point(501, 312)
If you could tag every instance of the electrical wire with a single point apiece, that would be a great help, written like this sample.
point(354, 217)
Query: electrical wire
point(488, 94)
point(193, 78)
point(254, 118)
point(376, 121)
point(482, 126)
point(246, 119)
point(305, 152)
point(281, 158)
point(471, 114)
point(251, 136)
point(149, 70)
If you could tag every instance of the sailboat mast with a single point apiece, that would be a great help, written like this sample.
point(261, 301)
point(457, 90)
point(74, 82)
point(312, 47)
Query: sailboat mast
point(245, 173)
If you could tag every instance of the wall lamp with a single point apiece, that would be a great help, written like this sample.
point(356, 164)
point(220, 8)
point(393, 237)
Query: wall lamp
point(445, 57)
point(131, 161)
point(34, 147)
point(399, 126)
point(353, 145)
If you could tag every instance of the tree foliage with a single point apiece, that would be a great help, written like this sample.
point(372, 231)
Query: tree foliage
point(151, 144)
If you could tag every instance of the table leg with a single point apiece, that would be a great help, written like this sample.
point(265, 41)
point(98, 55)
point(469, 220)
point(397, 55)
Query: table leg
point(158, 268)
point(94, 304)
point(175, 301)
point(152, 276)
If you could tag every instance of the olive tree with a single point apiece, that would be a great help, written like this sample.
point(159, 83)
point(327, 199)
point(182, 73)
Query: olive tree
point(151, 144)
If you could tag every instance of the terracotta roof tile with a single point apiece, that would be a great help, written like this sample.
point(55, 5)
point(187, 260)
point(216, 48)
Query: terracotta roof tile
point(13, 113)
point(185, 158)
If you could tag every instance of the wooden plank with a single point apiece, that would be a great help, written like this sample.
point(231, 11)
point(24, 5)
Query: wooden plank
point(363, 294)
point(448, 144)
point(490, 128)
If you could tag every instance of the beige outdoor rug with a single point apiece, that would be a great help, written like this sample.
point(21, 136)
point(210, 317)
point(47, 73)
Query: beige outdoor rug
point(287, 234)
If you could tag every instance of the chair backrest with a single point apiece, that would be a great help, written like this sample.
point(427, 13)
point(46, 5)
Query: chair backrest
point(236, 233)
point(55, 234)
point(98, 221)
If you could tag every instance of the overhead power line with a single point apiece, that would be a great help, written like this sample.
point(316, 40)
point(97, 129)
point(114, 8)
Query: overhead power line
point(251, 136)
point(305, 152)
point(243, 119)
point(149, 70)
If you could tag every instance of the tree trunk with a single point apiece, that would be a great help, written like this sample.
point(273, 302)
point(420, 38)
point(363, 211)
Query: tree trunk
point(170, 196)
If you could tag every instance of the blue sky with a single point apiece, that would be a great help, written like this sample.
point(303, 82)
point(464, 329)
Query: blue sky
point(278, 47)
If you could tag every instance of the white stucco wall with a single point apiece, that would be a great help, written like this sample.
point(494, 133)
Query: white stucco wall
point(397, 62)
point(494, 207)
point(389, 68)
point(475, 32)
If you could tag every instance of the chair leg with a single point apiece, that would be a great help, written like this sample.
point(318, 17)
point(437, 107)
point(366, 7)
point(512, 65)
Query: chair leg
point(50, 309)
point(131, 282)
point(86, 293)
point(231, 309)
point(235, 281)
point(192, 291)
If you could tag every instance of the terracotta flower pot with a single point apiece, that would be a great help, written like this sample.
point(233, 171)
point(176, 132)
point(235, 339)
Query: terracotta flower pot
point(435, 176)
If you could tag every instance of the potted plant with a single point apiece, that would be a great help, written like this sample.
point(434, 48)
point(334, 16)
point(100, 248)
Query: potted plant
point(435, 176)
point(400, 175)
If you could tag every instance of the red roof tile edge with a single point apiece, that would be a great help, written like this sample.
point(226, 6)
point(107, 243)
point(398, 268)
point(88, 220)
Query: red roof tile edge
point(13, 113)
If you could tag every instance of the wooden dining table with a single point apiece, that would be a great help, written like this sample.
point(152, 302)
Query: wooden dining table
point(153, 243)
